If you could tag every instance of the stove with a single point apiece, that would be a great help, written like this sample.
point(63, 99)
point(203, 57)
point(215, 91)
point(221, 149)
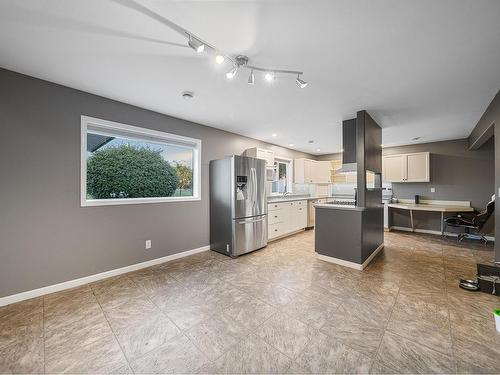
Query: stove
point(344, 202)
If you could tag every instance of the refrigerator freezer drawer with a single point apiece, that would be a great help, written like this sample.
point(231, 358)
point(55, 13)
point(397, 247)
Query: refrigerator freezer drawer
point(249, 234)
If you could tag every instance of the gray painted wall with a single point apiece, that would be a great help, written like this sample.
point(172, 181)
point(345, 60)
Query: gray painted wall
point(45, 236)
point(487, 126)
point(457, 173)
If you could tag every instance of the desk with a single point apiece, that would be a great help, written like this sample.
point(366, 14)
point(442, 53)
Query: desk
point(430, 207)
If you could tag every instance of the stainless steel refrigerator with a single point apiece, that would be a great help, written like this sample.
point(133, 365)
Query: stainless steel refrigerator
point(238, 206)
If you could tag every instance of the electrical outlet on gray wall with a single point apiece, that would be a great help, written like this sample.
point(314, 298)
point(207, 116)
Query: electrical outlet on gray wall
point(433, 189)
point(148, 244)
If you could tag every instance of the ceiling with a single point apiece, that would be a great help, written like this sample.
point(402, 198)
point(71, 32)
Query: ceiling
point(422, 68)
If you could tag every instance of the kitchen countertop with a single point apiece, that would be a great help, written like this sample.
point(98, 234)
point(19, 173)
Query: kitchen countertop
point(431, 207)
point(292, 198)
point(339, 207)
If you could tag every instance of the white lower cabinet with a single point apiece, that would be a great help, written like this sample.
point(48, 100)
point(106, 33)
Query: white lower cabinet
point(286, 217)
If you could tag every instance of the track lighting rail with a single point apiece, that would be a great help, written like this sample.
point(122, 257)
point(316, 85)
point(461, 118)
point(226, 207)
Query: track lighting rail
point(199, 45)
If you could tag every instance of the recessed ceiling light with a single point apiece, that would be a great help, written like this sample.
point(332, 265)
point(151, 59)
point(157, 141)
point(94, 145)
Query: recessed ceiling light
point(187, 95)
point(290, 145)
point(274, 135)
point(219, 59)
point(318, 149)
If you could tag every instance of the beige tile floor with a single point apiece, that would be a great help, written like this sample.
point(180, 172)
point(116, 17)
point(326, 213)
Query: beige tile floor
point(277, 310)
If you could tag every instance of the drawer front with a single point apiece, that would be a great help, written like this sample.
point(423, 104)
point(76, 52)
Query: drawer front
point(297, 203)
point(276, 216)
point(276, 230)
point(274, 206)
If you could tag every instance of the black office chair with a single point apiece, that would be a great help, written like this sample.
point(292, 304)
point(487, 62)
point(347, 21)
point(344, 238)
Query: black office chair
point(476, 223)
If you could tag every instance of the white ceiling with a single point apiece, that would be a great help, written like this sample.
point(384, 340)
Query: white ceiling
point(422, 68)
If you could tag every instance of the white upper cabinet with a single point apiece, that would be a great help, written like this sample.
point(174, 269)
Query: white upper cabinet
point(324, 172)
point(413, 167)
point(393, 168)
point(261, 153)
point(303, 171)
point(418, 167)
point(312, 171)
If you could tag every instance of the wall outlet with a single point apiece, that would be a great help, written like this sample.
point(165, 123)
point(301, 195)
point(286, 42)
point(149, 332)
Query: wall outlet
point(148, 244)
point(433, 189)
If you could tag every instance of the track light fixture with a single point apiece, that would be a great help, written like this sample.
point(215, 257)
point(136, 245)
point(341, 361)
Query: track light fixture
point(195, 44)
point(301, 83)
point(232, 72)
point(269, 77)
point(199, 45)
point(251, 78)
point(219, 59)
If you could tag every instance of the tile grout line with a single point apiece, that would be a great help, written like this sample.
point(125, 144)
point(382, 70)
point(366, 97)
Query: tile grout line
point(184, 332)
point(385, 329)
point(43, 333)
point(181, 332)
point(454, 358)
point(112, 331)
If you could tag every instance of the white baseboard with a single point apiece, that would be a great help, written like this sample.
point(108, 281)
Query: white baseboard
point(346, 263)
point(286, 235)
point(96, 277)
point(436, 232)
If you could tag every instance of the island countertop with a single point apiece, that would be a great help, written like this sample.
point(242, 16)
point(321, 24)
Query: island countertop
point(294, 198)
point(332, 206)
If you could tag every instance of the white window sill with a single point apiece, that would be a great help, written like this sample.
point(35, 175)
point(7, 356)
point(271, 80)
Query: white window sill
point(118, 201)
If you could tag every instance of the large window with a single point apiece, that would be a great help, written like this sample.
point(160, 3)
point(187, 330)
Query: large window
point(123, 164)
point(282, 182)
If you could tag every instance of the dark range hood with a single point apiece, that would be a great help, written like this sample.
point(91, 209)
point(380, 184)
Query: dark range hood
point(349, 147)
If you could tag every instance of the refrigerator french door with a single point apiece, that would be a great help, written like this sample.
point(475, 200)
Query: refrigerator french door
point(238, 207)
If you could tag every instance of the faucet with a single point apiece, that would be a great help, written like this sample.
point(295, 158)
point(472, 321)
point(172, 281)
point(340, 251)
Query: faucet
point(285, 193)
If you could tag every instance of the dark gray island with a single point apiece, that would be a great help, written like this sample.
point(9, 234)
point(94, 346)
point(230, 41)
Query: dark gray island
point(353, 235)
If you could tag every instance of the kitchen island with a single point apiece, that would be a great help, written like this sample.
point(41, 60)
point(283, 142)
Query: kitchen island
point(352, 235)
point(348, 235)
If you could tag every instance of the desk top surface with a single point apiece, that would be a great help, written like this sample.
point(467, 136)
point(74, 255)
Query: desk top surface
point(430, 207)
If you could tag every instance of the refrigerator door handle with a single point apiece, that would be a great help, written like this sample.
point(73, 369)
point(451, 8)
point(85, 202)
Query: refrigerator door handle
point(251, 221)
point(253, 176)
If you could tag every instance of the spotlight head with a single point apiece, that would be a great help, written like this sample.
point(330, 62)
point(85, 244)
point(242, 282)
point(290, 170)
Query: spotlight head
point(251, 78)
point(301, 83)
point(219, 59)
point(232, 72)
point(269, 77)
point(196, 44)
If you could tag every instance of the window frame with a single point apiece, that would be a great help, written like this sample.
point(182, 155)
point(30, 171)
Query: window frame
point(289, 174)
point(110, 126)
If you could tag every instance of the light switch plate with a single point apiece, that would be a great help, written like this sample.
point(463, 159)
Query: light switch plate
point(433, 189)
